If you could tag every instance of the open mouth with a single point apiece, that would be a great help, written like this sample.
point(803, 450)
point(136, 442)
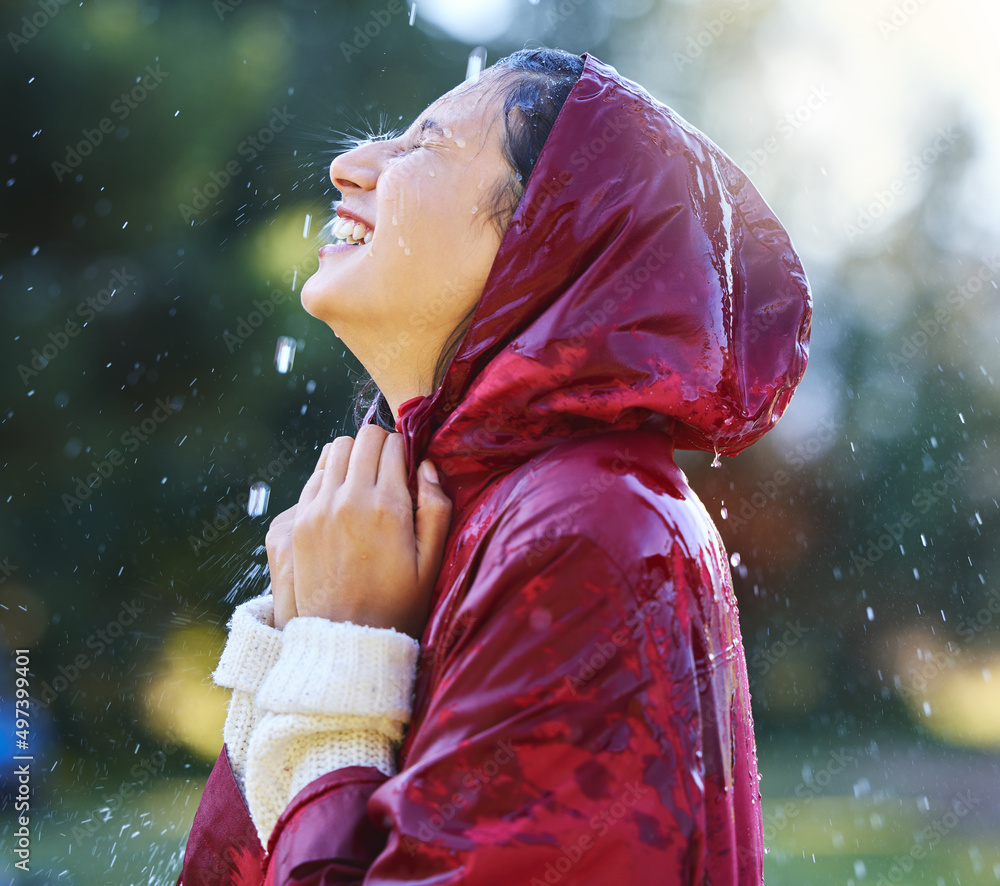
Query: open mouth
point(351, 232)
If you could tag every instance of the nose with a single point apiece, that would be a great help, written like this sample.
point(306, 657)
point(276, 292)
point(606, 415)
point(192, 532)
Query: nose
point(357, 169)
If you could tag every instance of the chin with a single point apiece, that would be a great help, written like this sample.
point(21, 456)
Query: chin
point(318, 297)
point(310, 296)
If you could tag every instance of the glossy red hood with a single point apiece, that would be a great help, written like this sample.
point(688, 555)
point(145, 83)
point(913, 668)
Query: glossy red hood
point(642, 282)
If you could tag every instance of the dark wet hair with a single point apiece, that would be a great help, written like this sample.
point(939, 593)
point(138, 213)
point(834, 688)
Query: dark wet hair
point(536, 83)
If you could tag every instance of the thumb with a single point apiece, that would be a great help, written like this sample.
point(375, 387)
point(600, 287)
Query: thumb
point(433, 517)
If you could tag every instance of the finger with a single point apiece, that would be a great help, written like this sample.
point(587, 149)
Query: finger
point(328, 456)
point(312, 488)
point(321, 461)
point(365, 455)
point(433, 518)
point(336, 465)
point(392, 464)
point(284, 607)
point(283, 521)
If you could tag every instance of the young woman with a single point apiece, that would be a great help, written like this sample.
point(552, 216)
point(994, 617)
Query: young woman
point(501, 643)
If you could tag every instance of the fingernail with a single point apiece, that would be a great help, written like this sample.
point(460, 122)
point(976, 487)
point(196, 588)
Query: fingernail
point(430, 472)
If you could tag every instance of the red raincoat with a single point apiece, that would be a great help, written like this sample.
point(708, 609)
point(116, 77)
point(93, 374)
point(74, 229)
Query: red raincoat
point(581, 713)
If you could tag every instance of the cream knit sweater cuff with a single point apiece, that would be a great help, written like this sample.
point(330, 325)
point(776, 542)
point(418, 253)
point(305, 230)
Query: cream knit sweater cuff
point(318, 696)
point(249, 654)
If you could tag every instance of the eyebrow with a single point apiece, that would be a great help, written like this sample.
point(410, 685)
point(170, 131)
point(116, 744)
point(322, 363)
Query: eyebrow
point(431, 123)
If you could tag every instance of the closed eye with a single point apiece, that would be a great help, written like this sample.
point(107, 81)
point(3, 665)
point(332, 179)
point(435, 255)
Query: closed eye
point(405, 149)
point(421, 137)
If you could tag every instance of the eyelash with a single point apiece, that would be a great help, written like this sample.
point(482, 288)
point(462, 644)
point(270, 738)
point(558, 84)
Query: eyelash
point(406, 149)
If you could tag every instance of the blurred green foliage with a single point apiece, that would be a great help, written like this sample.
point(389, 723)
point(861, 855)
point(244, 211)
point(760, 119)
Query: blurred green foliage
point(179, 147)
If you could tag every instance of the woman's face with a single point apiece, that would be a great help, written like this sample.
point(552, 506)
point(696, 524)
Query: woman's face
point(422, 203)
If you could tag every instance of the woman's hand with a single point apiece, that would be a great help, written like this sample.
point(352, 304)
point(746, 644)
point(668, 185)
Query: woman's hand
point(351, 540)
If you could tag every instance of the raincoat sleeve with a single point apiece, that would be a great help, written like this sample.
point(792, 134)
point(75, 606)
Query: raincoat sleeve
point(314, 698)
point(553, 748)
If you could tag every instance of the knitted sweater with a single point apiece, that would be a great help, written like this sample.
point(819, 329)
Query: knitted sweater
point(314, 697)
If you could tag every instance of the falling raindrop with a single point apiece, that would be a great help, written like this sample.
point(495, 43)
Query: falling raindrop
point(871, 613)
point(260, 492)
point(284, 353)
point(413, 14)
point(477, 60)
point(305, 228)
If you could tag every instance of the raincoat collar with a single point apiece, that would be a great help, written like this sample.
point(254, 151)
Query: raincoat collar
point(642, 282)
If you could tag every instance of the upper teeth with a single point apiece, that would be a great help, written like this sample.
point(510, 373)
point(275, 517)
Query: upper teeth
point(349, 230)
